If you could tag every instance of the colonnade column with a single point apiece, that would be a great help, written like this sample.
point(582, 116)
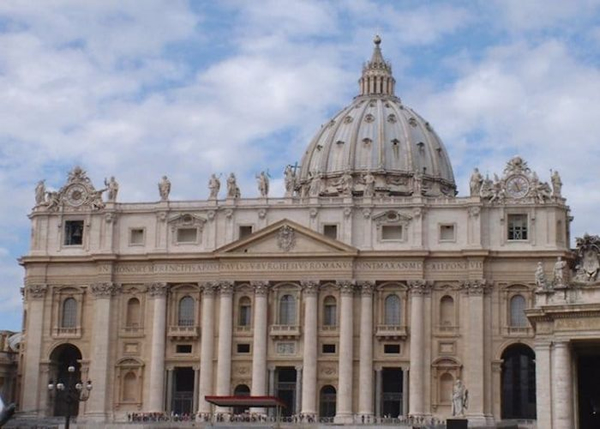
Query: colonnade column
point(96, 408)
point(365, 377)
point(562, 398)
point(34, 304)
point(543, 384)
point(158, 292)
point(207, 345)
point(418, 288)
point(346, 358)
point(309, 380)
point(224, 345)
point(475, 353)
point(259, 351)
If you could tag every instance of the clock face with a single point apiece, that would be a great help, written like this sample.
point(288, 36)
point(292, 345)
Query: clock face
point(76, 195)
point(517, 186)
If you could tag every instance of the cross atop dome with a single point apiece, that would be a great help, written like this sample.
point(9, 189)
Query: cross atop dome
point(377, 76)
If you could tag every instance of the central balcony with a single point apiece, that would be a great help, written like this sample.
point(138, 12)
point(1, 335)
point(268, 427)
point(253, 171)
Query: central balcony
point(183, 332)
point(390, 332)
point(285, 331)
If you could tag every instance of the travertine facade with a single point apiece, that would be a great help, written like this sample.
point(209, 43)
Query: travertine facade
point(368, 290)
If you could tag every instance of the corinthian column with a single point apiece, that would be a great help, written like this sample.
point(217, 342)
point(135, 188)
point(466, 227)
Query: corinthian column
point(158, 292)
point(99, 365)
point(224, 345)
point(207, 345)
point(562, 398)
point(259, 351)
point(34, 303)
point(344, 394)
point(365, 377)
point(310, 290)
point(418, 288)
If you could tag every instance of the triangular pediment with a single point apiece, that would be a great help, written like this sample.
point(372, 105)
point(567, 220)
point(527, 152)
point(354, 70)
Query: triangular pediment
point(286, 237)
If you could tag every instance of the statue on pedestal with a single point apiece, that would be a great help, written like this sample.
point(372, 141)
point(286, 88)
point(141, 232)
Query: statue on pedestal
point(40, 193)
point(290, 180)
point(214, 185)
point(460, 398)
point(233, 191)
point(369, 180)
point(112, 186)
point(556, 185)
point(559, 272)
point(475, 183)
point(540, 277)
point(263, 184)
point(164, 188)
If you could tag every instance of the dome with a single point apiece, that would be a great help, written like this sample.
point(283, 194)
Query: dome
point(376, 146)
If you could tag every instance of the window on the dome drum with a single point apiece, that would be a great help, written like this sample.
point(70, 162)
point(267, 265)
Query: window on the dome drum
point(73, 233)
point(517, 227)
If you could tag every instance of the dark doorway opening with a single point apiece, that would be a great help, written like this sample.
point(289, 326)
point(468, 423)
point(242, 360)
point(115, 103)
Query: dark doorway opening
point(327, 400)
point(241, 390)
point(183, 390)
point(391, 395)
point(286, 389)
point(61, 359)
point(518, 383)
point(588, 374)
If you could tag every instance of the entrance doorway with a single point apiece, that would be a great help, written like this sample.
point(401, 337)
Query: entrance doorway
point(588, 387)
point(391, 392)
point(286, 389)
point(518, 382)
point(241, 390)
point(327, 400)
point(61, 359)
point(183, 390)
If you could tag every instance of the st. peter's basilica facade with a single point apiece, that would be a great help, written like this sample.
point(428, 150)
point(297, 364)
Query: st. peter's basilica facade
point(369, 289)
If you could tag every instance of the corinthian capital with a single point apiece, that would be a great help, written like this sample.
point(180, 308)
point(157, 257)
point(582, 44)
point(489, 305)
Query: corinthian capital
point(476, 287)
point(226, 287)
point(158, 289)
point(366, 287)
point(261, 287)
point(209, 288)
point(419, 287)
point(35, 291)
point(346, 286)
point(104, 290)
point(309, 287)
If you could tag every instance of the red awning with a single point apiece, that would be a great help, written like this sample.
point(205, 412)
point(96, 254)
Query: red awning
point(246, 401)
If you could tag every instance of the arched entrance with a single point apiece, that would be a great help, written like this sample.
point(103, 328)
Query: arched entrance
point(61, 358)
point(241, 390)
point(327, 399)
point(518, 382)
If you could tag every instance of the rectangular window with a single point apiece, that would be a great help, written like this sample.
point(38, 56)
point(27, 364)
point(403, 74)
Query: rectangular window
point(136, 237)
point(243, 348)
point(183, 348)
point(517, 227)
point(245, 313)
point(391, 349)
point(73, 233)
point(330, 231)
point(245, 231)
point(187, 235)
point(391, 232)
point(328, 348)
point(447, 233)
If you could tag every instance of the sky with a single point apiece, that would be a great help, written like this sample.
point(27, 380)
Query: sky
point(138, 90)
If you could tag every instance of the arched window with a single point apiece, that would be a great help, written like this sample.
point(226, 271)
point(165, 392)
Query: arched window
point(129, 387)
point(329, 311)
point(447, 311)
point(392, 310)
point(241, 390)
point(69, 313)
point(327, 402)
point(517, 311)
point(245, 316)
point(133, 313)
point(186, 311)
point(287, 310)
point(446, 384)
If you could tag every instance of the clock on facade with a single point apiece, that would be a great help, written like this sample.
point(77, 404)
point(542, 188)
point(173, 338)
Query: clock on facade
point(517, 186)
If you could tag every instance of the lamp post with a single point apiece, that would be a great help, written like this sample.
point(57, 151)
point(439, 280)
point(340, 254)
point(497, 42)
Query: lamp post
point(70, 392)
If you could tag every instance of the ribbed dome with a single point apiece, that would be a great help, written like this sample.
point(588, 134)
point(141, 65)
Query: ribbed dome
point(376, 137)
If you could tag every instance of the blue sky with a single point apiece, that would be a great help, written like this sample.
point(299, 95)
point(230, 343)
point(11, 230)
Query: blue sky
point(141, 89)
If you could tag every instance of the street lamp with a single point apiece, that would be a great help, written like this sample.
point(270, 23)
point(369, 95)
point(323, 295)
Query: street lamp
point(70, 391)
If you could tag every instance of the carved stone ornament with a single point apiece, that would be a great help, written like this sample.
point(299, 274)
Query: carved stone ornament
point(286, 238)
point(261, 287)
point(209, 288)
point(588, 258)
point(158, 289)
point(309, 287)
point(226, 287)
point(346, 286)
point(420, 287)
point(104, 290)
point(476, 287)
point(366, 287)
point(36, 291)
point(77, 194)
point(391, 217)
point(186, 220)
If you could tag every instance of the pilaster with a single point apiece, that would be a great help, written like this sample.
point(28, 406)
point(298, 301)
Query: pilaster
point(418, 289)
